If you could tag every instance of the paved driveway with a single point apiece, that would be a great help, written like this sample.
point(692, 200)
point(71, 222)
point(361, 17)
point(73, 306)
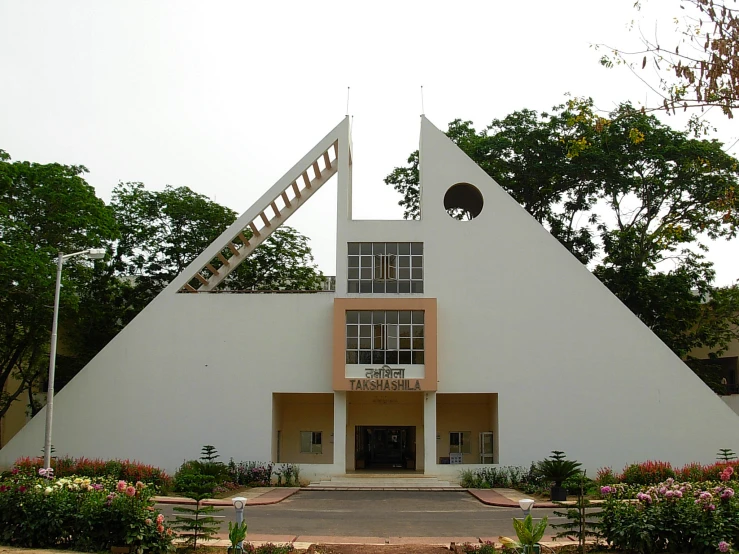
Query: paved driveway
point(380, 514)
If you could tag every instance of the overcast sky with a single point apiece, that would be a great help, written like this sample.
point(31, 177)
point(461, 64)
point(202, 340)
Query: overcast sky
point(225, 96)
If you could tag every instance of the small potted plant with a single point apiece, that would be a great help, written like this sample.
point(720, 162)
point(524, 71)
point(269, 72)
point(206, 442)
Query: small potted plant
point(528, 535)
point(236, 534)
point(556, 469)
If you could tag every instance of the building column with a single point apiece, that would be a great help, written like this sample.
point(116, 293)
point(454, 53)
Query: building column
point(339, 466)
point(429, 432)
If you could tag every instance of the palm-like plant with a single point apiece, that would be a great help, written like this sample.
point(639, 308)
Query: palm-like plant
point(528, 534)
point(557, 469)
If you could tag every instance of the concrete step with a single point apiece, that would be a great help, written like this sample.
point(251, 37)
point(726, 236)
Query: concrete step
point(384, 482)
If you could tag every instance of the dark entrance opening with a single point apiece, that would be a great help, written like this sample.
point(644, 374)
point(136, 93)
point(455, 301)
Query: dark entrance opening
point(385, 447)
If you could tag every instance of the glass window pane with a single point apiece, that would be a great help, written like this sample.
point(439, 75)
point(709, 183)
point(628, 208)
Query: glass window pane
point(417, 286)
point(391, 357)
point(418, 357)
point(404, 330)
point(378, 357)
point(351, 356)
point(417, 331)
point(367, 262)
point(354, 273)
point(417, 316)
point(378, 248)
point(353, 261)
point(365, 357)
point(352, 286)
point(365, 317)
point(404, 248)
point(352, 316)
point(378, 287)
point(416, 248)
point(404, 357)
point(391, 316)
point(366, 273)
point(404, 273)
point(391, 248)
point(453, 439)
point(404, 261)
point(405, 343)
point(416, 273)
point(365, 343)
point(467, 442)
point(378, 316)
point(405, 317)
point(377, 337)
point(416, 261)
point(391, 287)
point(305, 441)
point(353, 248)
point(365, 331)
point(365, 286)
point(417, 344)
point(365, 248)
point(317, 437)
point(352, 343)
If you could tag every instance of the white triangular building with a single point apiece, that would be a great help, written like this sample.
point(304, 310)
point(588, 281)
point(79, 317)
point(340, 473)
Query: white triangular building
point(446, 342)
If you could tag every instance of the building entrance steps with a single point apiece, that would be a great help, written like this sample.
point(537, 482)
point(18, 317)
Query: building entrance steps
point(384, 481)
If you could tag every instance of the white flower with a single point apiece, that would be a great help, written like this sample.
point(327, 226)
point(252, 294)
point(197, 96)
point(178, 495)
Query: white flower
point(39, 487)
point(48, 490)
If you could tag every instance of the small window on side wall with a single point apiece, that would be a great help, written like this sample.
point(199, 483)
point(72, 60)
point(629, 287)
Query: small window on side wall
point(460, 442)
point(310, 442)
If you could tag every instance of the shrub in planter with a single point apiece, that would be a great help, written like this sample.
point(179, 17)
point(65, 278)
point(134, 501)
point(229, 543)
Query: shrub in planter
point(557, 469)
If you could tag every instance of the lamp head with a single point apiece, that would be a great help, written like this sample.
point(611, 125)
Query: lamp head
point(96, 253)
point(526, 504)
point(239, 502)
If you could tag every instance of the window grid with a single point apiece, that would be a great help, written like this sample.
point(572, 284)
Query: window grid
point(385, 267)
point(385, 337)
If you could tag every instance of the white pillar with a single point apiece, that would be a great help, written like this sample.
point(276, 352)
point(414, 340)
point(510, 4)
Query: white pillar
point(429, 432)
point(339, 467)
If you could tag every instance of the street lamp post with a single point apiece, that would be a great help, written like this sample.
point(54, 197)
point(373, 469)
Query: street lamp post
point(92, 253)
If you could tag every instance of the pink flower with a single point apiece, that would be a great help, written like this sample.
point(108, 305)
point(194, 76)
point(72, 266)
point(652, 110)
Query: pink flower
point(723, 546)
point(160, 518)
point(121, 486)
point(725, 476)
point(130, 490)
point(727, 493)
point(15, 471)
point(139, 485)
point(605, 490)
point(711, 507)
point(160, 528)
point(729, 470)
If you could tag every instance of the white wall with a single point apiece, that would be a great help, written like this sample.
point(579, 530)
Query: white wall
point(191, 369)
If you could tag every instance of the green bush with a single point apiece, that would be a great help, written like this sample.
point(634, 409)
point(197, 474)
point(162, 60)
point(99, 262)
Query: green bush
point(80, 514)
point(647, 473)
point(268, 548)
point(216, 470)
point(672, 517)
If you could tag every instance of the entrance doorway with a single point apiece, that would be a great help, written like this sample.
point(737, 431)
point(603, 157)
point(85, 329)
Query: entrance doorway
point(385, 447)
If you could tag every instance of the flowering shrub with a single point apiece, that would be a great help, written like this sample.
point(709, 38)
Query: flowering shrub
point(647, 473)
point(118, 469)
point(268, 548)
point(250, 474)
point(681, 517)
point(80, 513)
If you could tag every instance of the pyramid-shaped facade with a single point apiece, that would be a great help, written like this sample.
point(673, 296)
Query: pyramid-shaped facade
point(448, 343)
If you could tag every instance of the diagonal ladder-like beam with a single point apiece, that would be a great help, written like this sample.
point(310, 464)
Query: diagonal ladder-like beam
point(264, 217)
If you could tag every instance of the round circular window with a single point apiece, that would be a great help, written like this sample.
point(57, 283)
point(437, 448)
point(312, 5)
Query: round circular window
point(463, 201)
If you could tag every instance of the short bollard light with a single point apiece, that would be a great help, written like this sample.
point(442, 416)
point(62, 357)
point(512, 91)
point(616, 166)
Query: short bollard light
point(237, 533)
point(526, 504)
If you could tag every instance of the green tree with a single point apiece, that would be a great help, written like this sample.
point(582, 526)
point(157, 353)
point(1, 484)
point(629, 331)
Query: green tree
point(697, 68)
point(626, 195)
point(163, 231)
point(44, 209)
